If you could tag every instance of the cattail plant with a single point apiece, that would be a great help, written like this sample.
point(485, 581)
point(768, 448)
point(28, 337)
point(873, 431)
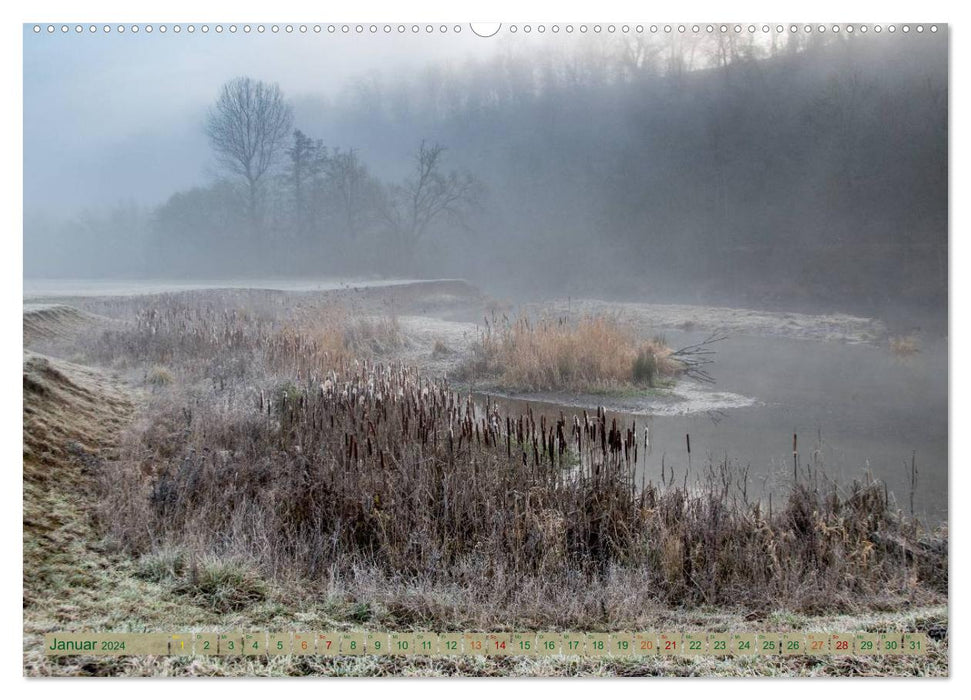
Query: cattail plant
point(379, 465)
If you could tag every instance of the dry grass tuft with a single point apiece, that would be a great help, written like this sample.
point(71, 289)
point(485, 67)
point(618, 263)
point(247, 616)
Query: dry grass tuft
point(904, 346)
point(440, 350)
point(222, 585)
point(329, 339)
point(159, 376)
point(591, 354)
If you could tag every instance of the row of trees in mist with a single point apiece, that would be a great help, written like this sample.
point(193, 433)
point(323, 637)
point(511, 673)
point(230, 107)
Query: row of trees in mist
point(283, 203)
point(289, 203)
point(723, 168)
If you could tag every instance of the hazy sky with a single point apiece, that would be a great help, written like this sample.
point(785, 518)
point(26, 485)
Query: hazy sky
point(119, 117)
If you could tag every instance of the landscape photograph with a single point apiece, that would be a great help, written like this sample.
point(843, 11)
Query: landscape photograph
point(616, 348)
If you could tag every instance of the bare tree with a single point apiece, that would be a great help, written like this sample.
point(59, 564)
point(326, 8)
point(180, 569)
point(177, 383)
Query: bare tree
point(247, 128)
point(307, 160)
point(636, 55)
point(427, 198)
point(354, 191)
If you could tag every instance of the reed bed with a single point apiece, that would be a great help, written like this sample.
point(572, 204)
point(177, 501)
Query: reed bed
point(235, 343)
point(590, 354)
point(377, 467)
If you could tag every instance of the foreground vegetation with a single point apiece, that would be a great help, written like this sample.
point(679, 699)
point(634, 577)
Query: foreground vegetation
point(274, 481)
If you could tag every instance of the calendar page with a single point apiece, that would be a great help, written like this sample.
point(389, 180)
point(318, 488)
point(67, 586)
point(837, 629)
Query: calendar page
point(609, 348)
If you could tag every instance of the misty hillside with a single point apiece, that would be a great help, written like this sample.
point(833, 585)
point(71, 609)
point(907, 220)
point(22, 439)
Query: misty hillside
point(801, 174)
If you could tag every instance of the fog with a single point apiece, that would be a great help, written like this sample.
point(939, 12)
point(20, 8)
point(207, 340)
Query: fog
point(119, 117)
point(787, 171)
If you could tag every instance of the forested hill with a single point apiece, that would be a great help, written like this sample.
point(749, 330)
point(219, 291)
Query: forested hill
point(818, 174)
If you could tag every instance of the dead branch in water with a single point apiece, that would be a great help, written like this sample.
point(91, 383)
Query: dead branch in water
point(694, 357)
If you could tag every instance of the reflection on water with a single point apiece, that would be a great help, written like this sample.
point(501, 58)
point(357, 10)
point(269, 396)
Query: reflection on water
point(853, 407)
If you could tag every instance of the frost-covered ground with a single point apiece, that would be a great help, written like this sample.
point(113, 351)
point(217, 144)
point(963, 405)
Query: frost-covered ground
point(53, 288)
point(650, 318)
